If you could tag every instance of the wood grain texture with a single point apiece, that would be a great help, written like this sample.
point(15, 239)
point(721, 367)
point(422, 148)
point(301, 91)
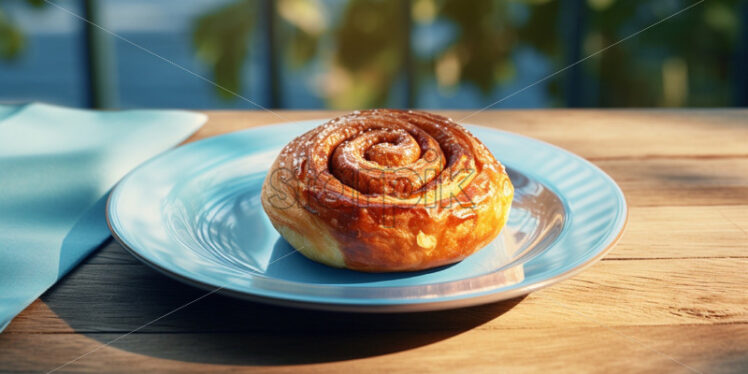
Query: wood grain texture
point(684, 232)
point(712, 349)
point(671, 297)
point(613, 293)
point(597, 134)
point(678, 181)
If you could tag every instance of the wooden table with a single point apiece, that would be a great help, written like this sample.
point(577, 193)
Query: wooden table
point(672, 296)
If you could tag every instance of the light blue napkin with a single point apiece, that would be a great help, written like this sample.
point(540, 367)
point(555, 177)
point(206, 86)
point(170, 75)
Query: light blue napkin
point(56, 168)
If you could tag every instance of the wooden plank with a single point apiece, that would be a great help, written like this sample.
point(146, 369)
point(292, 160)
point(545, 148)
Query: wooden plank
point(713, 349)
point(121, 298)
point(631, 133)
point(668, 182)
point(220, 122)
point(111, 253)
point(589, 133)
point(684, 232)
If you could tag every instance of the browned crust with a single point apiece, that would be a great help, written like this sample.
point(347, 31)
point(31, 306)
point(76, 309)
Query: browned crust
point(327, 194)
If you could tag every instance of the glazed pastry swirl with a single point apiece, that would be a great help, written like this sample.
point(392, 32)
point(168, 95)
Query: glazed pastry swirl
point(387, 190)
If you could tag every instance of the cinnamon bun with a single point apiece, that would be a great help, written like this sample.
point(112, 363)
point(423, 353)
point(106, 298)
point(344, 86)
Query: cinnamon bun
point(387, 190)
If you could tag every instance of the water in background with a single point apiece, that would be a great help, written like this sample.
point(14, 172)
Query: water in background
point(52, 68)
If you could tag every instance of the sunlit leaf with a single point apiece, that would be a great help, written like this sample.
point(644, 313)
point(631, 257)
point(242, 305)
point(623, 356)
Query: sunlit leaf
point(371, 43)
point(12, 40)
point(36, 3)
point(221, 39)
point(308, 21)
point(485, 41)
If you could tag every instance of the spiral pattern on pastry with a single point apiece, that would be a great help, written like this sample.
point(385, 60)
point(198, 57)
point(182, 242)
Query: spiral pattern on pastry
point(387, 190)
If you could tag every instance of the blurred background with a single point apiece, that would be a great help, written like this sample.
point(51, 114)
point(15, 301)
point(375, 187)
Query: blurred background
point(344, 54)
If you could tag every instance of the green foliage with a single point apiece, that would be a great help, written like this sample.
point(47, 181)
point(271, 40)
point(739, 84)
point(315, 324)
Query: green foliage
point(36, 3)
point(370, 30)
point(12, 40)
point(221, 38)
point(485, 41)
point(371, 44)
point(633, 73)
point(304, 21)
point(302, 47)
point(682, 61)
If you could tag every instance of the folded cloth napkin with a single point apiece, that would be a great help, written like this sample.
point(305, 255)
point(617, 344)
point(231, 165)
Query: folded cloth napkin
point(56, 168)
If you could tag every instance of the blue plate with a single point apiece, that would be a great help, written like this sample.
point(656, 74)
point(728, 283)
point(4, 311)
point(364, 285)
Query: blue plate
point(194, 213)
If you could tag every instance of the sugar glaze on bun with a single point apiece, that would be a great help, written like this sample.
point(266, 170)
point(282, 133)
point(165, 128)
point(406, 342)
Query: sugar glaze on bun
point(387, 190)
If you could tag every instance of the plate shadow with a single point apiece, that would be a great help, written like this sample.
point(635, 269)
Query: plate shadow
point(111, 294)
